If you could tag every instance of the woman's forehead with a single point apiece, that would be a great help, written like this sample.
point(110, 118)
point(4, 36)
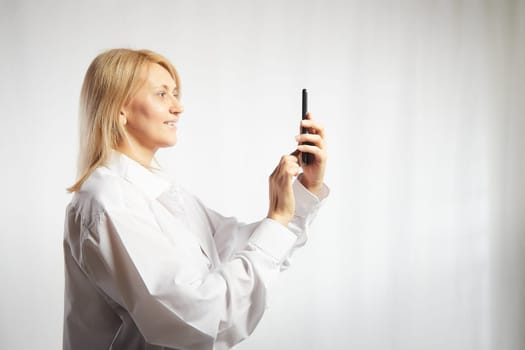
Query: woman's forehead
point(156, 75)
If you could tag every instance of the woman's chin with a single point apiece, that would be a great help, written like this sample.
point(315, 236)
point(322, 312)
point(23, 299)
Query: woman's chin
point(169, 143)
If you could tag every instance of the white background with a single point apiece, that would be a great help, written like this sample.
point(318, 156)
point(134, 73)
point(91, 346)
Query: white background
point(421, 244)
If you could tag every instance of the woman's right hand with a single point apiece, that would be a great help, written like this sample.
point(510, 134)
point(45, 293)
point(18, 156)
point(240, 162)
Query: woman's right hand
point(282, 201)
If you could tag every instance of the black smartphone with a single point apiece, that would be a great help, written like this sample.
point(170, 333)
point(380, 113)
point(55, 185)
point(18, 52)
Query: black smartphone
point(306, 158)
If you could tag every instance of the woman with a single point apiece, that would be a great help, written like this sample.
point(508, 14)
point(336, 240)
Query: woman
point(147, 265)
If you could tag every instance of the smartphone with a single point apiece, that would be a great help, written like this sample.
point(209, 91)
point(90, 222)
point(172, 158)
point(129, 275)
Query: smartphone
point(306, 158)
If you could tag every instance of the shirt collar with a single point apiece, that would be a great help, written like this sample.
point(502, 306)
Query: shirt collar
point(152, 182)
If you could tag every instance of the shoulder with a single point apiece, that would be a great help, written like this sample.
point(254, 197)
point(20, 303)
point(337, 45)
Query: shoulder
point(104, 187)
point(102, 192)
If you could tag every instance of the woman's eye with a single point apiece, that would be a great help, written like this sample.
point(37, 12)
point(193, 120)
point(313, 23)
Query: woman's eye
point(162, 94)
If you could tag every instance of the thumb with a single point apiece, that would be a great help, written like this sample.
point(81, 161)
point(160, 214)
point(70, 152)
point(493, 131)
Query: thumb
point(296, 154)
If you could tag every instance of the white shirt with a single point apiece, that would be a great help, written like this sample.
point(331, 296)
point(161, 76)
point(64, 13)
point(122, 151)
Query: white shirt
point(148, 266)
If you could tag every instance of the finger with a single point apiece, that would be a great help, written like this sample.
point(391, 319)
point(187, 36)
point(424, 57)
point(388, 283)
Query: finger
point(315, 127)
point(293, 169)
point(290, 158)
point(280, 165)
point(288, 164)
point(308, 117)
point(316, 151)
point(311, 138)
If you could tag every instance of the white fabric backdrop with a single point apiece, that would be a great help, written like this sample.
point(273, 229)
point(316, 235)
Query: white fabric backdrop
point(421, 243)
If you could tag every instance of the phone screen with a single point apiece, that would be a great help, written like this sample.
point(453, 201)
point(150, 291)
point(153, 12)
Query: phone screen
point(306, 158)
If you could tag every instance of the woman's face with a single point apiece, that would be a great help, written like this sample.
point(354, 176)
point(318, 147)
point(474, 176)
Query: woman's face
point(151, 115)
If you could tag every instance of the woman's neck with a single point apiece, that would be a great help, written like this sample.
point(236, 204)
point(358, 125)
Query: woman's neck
point(139, 154)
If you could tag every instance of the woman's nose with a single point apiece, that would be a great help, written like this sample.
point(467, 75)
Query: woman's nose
point(176, 106)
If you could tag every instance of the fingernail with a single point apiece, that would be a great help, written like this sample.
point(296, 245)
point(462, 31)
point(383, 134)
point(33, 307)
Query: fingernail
point(296, 137)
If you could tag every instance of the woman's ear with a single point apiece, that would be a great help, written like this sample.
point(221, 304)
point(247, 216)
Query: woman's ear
point(122, 118)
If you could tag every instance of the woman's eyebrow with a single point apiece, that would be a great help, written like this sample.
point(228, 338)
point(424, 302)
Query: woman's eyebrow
point(167, 88)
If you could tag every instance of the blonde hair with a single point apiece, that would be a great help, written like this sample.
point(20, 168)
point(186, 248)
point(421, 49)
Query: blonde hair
point(110, 82)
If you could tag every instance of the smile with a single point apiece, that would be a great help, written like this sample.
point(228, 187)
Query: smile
point(171, 123)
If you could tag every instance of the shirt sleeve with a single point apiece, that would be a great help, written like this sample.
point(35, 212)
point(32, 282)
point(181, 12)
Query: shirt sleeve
point(231, 235)
point(167, 285)
point(168, 288)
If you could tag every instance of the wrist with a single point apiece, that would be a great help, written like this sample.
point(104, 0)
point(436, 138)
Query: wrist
point(312, 186)
point(282, 219)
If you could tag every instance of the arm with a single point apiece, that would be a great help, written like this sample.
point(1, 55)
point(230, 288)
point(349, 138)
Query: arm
point(166, 284)
point(292, 203)
point(173, 296)
point(230, 235)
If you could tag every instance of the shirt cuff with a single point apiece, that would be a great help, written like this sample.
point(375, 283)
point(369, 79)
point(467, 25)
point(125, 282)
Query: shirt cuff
point(273, 239)
point(306, 201)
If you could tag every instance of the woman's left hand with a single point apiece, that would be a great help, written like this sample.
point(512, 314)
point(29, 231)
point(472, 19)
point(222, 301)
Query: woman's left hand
point(313, 173)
